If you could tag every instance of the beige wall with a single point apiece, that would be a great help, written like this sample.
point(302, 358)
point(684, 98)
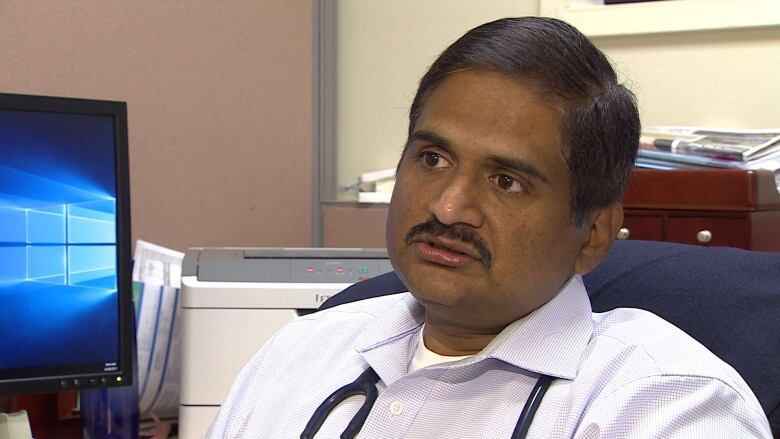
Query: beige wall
point(725, 78)
point(384, 47)
point(219, 106)
point(719, 78)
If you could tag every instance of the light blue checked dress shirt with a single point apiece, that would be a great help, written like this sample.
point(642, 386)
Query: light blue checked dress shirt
point(621, 374)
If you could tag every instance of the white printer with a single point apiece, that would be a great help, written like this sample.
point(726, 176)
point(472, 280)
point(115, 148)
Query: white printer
point(234, 299)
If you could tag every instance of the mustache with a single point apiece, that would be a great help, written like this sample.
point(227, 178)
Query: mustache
point(457, 232)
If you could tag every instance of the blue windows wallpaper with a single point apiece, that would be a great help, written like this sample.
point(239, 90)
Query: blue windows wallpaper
point(58, 261)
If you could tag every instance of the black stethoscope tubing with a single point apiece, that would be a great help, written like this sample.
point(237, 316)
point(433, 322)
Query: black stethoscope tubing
point(531, 406)
point(365, 384)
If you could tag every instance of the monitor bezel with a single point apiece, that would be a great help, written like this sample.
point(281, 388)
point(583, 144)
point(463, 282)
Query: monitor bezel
point(124, 375)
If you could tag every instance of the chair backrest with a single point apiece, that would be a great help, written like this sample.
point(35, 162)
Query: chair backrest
point(728, 299)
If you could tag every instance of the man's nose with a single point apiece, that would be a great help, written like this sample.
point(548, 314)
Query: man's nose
point(458, 202)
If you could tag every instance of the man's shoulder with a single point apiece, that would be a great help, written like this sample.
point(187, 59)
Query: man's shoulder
point(642, 371)
point(658, 348)
point(330, 333)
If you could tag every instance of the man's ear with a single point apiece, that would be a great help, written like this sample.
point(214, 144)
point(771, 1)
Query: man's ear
point(604, 224)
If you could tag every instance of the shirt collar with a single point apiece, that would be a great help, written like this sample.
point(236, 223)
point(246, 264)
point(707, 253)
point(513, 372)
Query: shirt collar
point(550, 340)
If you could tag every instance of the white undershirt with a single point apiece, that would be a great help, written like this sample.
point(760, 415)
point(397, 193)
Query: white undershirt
point(424, 357)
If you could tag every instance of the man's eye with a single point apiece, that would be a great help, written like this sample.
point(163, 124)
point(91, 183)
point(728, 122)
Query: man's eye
point(507, 183)
point(433, 160)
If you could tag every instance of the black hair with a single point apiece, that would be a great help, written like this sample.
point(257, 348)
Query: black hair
point(600, 122)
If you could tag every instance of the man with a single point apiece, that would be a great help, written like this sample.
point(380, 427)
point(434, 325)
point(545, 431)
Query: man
point(520, 145)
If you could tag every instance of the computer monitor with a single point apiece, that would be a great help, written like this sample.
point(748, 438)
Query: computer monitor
point(66, 316)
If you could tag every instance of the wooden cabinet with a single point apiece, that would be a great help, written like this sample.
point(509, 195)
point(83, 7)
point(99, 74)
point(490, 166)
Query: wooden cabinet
point(647, 226)
point(732, 208)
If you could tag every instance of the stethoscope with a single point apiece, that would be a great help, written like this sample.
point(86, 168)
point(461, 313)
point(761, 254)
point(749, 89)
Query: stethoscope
point(365, 384)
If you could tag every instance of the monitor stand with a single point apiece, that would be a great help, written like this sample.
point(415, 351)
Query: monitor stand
point(110, 413)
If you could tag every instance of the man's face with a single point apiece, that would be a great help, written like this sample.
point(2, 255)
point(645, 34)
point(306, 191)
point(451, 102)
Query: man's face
point(479, 226)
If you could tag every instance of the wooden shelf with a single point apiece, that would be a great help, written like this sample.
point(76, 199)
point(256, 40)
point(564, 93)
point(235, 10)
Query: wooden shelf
point(702, 189)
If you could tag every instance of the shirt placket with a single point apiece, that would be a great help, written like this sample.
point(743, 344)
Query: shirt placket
point(396, 408)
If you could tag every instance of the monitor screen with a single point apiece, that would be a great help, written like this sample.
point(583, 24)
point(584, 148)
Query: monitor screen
point(65, 287)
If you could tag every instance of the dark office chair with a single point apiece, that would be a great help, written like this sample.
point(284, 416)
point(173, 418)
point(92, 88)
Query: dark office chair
point(728, 299)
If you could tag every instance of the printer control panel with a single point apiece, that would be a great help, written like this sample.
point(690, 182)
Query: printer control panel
point(337, 270)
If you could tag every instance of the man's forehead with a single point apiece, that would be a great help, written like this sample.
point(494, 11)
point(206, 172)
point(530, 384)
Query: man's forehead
point(465, 80)
point(488, 94)
point(484, 105)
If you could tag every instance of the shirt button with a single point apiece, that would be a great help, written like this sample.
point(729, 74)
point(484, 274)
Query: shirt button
point(396, 408)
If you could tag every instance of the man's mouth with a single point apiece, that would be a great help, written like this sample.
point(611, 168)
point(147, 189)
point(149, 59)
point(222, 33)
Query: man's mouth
point(448, 245)
point(449, 254)
point(435, 245)
point(455, 247)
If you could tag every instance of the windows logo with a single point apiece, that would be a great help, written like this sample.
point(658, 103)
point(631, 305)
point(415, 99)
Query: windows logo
point(70, 244)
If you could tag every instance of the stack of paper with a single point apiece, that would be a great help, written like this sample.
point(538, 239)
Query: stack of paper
point(157, 273)
point(679, 147)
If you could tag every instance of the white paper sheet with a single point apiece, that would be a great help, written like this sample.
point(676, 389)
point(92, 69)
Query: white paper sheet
point(157, 265)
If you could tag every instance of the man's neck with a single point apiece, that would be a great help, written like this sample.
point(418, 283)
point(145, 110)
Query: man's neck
point(447, 339)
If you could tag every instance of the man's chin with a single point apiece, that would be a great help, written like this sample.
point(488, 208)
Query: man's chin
point(436, 285)
point(431, 299)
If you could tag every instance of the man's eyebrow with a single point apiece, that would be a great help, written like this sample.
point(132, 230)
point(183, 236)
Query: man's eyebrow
point(430, 136)
point(521, 166)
